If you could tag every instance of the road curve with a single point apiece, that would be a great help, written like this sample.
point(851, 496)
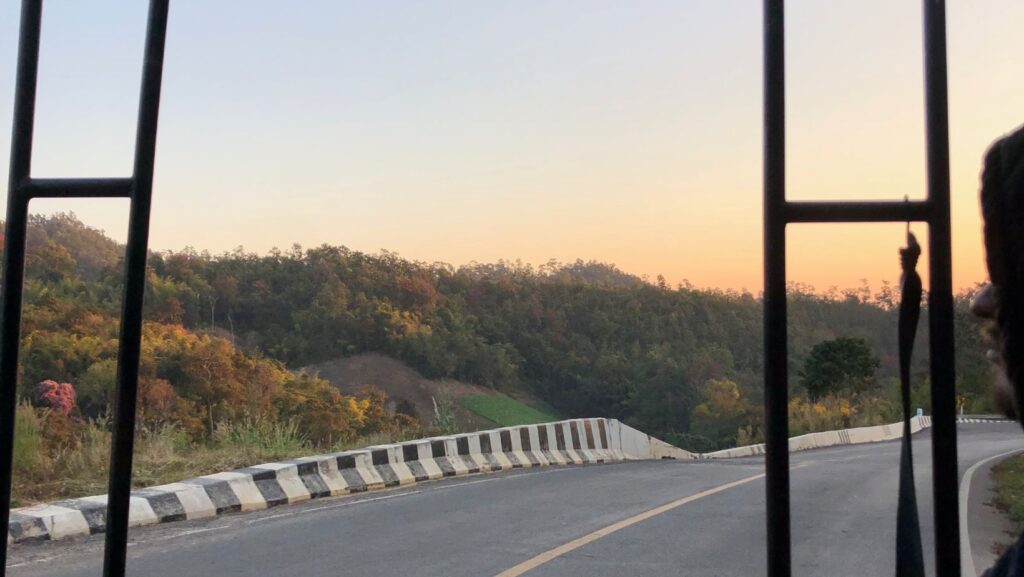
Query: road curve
point(640, 518)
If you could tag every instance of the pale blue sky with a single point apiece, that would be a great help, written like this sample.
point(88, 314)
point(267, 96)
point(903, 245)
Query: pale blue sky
point(626, 132)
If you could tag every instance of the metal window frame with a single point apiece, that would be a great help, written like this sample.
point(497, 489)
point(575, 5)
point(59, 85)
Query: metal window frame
point(22, 189)
point(778, 213)
point(934, 210)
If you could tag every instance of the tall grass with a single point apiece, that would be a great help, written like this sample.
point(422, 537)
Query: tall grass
point(261, 438)
point(163, 454)
point(28, 439)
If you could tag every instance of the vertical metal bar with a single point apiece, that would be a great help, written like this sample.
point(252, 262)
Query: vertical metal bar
point(119, 491)
point(940, 297)
point(14, 248)
point(775, 346)
point(25, 91)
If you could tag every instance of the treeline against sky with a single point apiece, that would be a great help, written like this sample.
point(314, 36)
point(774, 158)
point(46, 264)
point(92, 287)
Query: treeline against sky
point(191, 379)
point(675, 361)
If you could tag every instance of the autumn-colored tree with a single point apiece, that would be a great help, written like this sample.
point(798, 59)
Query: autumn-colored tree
point(207, 366)
point(721, 413)
point(156, 399)
point(585, 337)
point(49, 262)
point(323, 414)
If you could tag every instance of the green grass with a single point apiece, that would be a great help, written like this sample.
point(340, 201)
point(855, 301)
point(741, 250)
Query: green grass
point(506, 411)
point(1009, 480)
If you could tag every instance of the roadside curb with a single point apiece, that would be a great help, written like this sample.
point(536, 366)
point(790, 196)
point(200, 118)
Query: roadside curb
point(570, 442)
point(855, 436)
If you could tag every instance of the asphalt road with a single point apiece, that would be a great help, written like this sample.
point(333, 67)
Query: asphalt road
point(844, 502)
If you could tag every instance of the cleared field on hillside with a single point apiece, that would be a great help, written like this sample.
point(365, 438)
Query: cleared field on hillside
point(505, 411)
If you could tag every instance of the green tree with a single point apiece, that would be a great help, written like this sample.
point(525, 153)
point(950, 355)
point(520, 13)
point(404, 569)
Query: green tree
point(842, 365)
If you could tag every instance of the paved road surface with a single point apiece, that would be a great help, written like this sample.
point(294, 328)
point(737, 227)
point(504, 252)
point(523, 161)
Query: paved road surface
point(481, 526)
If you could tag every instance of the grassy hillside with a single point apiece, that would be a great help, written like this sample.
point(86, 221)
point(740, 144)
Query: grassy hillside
point(505, 411)
point(408, 391)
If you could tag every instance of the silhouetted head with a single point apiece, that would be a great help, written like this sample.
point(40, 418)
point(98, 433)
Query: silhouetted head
point(1002, 206)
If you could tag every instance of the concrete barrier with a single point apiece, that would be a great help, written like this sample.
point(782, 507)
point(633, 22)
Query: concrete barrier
point(576, 441)
point(569, 442)
point(854, 436)
point(632, 444)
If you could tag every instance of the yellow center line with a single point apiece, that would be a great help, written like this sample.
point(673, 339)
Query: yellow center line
point(543, 558)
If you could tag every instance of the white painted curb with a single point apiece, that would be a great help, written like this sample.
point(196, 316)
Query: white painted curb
point(576, 441)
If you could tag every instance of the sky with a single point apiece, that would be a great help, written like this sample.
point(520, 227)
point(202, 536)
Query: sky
point(458, 131)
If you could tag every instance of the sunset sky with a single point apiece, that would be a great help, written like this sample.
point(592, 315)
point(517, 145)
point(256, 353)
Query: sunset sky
point(625, 132)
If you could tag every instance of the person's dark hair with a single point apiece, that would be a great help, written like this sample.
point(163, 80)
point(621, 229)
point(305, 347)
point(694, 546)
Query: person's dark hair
point(1002, 205)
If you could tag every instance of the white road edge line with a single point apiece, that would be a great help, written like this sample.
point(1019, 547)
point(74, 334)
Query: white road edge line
point(967, 568)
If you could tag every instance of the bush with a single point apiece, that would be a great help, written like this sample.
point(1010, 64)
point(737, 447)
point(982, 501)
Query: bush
point(831, 412)
point(444, 413)
point(57, 396)
point(261, 436)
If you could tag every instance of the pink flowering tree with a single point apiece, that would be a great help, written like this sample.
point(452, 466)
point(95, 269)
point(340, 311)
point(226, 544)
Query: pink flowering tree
point(57, 396)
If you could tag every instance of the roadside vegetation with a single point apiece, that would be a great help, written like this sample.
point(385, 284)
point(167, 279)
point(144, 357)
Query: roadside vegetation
point(57, 458)
point(504, 411)
point(1009, 488)
point(224, 334)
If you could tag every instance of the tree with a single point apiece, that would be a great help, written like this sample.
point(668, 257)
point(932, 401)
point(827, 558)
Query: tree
point(721, 414)
point(207, 365)
point(842, 365)
point(319, 410)
point(57, 396)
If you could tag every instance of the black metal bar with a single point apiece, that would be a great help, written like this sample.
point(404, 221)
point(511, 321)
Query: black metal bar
point(936, 212)
point(945, 475)
point(776, 378)
point(119, 491)
point(861, 211)
point(25, 91)
point(14, 248)
point(77, 188)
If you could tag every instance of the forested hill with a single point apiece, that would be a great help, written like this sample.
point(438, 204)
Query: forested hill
point(585, 337)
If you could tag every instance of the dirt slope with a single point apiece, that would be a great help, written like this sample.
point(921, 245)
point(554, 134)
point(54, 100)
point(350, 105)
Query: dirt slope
point(400, 382)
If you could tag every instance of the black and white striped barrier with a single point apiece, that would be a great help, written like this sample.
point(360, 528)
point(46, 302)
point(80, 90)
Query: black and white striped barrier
point(824, 439)
point(571, 442)
point(854, 436)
